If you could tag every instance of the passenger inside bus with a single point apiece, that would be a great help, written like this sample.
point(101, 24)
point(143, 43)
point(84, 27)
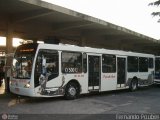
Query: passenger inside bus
point(26, 69)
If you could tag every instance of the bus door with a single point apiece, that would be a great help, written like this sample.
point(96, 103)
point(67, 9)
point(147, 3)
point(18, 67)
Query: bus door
point(121, 72)
point(94, 71)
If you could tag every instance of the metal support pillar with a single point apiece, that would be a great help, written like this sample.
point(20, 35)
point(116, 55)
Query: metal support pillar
point(9, 49)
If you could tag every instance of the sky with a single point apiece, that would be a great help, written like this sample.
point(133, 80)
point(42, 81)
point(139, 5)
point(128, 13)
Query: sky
point(131, 14)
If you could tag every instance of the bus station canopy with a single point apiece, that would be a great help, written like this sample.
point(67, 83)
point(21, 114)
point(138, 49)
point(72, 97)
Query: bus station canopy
point(38, 20)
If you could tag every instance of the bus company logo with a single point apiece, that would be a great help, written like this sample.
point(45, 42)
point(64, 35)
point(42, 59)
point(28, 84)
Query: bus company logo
point(108, 76)
point(4, 116)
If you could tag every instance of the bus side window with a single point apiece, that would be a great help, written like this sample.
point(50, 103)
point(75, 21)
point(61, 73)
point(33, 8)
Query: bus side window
point(108, 63)
point(132, 64)
point(143, 64)
point(157, 65)
point(71, 62)
point(151, 64)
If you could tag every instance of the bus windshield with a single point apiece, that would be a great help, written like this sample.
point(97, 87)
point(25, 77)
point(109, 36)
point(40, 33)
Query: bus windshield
point(23, 60)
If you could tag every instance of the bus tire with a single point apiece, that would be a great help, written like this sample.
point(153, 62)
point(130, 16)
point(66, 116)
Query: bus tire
point(71, 91)
point(133, 85)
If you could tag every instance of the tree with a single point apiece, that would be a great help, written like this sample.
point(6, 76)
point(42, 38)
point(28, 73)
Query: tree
point(156, 3)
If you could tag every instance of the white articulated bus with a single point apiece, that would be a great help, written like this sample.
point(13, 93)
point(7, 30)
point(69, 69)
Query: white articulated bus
point(47, 70)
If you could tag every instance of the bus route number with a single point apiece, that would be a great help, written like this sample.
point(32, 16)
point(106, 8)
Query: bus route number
point(71, 70)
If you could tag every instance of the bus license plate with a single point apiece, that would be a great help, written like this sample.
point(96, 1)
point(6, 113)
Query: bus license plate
point(17, 89)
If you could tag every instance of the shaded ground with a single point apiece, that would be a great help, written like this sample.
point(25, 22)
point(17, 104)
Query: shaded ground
point(143, 101)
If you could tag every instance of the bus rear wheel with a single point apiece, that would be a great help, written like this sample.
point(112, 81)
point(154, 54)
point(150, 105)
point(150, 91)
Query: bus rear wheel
point(133, 85)
point(71, 91)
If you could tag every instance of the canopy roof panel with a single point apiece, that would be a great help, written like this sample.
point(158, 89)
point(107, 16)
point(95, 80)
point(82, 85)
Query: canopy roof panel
point(35, 19)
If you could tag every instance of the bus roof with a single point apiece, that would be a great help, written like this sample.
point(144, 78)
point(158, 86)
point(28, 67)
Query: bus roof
point(66, 47)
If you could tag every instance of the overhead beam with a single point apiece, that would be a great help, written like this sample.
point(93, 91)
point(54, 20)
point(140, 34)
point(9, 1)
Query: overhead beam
point(30, 15)
point(70, 25)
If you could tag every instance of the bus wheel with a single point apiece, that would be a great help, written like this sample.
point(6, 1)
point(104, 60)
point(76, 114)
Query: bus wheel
point(133, 85)
point(71, 91)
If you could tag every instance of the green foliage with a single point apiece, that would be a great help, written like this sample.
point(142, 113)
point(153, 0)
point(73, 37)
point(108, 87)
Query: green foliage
point(156, 3)
point(156, 13)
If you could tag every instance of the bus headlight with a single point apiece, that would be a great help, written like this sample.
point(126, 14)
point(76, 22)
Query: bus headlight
point(27, 85)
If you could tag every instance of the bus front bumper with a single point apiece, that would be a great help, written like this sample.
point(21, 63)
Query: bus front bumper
point(156, 81)
point(22, 91)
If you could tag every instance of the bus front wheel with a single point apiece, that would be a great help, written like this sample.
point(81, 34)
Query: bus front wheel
point(71, 91)
point(133, 85)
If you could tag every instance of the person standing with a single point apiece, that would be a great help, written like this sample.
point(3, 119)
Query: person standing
point(1, 72)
